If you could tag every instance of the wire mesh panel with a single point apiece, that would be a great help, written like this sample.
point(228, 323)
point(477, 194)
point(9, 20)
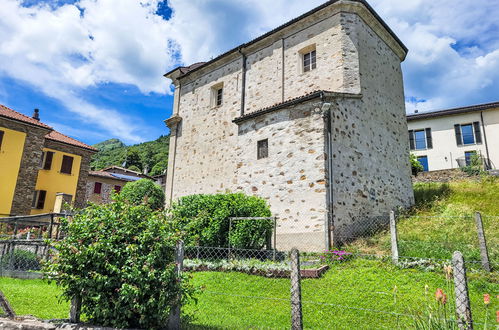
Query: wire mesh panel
point(239, 288)
point(23, 258)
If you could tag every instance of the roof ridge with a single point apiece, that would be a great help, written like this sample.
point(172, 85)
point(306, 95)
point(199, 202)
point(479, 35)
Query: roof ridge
point(452, 111)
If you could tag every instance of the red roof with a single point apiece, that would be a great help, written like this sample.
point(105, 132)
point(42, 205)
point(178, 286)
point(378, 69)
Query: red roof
point(9, 113)
point(53, 135)
point(59, 137)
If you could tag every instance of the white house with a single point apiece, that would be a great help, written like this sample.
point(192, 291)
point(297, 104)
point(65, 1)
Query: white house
point(309, 116)
point(447, 139)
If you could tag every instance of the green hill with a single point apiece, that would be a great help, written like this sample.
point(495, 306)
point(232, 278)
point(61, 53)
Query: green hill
point(152, 155)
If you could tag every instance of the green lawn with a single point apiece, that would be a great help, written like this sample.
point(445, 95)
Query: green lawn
point(359, 293)
point(34, 297)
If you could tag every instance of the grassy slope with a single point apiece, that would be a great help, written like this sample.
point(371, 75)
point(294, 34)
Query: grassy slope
point(443, 221)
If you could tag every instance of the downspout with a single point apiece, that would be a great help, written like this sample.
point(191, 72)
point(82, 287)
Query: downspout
point(485, 140)
point(243, 82)
point(326, 115)
point(282, 73)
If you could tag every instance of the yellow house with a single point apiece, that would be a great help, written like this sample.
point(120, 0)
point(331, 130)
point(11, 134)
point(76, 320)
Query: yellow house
point(37, 163)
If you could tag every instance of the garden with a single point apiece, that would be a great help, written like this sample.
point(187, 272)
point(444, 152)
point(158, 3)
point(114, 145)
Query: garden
point(122, 257)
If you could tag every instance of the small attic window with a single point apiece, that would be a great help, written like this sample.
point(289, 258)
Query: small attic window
point(217, 93)
point(309, 58)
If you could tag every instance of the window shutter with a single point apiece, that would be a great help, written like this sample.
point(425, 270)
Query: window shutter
point(459, 138)
point(1, 139)
point(67, 164)
point(478, 133)
point(41, 199)
point(97, 188)
point(117, 189)
point(48, 160)
point(411, 140)
point(429, 140)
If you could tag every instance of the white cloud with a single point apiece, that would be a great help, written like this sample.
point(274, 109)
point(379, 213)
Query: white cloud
point(61, 50)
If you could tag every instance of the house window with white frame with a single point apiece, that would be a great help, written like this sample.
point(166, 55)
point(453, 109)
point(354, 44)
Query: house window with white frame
point(217, 94)
point(309, 60)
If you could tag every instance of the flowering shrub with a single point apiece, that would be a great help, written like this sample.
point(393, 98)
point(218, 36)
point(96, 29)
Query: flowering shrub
point(119, 258)
point(335, 256)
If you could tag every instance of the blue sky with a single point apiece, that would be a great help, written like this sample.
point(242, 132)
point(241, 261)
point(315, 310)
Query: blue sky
point(95, 67)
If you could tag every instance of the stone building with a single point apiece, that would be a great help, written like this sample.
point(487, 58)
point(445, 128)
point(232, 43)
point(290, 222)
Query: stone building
point(447, 139)
point(38, 163)
point(101, 184)
point(309, 116)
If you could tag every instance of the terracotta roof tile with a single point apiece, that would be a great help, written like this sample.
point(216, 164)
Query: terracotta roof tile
point(59, 137)
point(12, 114)
point(103, 174)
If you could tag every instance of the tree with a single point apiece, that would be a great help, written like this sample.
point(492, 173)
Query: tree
point(144, 191)
point(416, 166)
point(119, 259)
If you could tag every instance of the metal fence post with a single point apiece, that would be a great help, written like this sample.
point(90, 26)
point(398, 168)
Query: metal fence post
point(75, 309)
point(463, 309)
point(394, 239)
point(296, 310)
point(174, 319)
point(484, 255)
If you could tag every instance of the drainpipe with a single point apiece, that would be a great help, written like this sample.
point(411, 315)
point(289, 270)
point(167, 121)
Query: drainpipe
point(485, 140)
point(243, 82)
point(326, 115)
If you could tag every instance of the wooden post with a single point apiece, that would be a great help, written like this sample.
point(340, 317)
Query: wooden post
point(296, 310)
point(484, 255)
point(74, 310)
point(394, 239)
point(174, 319)
point(4, 304)
point(463, 309)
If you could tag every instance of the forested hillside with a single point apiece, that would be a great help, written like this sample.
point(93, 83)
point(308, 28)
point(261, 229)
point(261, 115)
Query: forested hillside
point(152, 155)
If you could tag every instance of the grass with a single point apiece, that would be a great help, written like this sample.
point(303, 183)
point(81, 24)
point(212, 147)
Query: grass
point(442, 221)
point(359, 293)
point(34, 297)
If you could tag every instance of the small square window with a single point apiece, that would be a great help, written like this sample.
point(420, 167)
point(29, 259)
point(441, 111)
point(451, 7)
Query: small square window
point(309, 61)
point(263, 149)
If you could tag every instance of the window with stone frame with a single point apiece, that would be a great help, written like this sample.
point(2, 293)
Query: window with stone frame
point(309, 60)
point(262, 149)
point(67, 164)
point(217, 95)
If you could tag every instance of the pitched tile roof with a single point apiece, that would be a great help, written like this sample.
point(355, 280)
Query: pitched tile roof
point(453, 111)
point(12, 114)
point(108, 175)
point(59, 137)
point(285, 25)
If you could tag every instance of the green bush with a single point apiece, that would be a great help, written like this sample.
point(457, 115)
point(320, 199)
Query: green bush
point(21, 260)
point(119, 258)
point(144, 191)
point(205, 220)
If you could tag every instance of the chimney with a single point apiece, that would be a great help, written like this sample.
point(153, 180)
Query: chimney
point(36, 114)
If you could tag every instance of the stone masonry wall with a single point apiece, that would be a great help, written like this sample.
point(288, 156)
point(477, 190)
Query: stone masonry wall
point(292, 178)
point(371, 171)
point(107, 188)
point(30, 163)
